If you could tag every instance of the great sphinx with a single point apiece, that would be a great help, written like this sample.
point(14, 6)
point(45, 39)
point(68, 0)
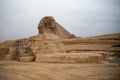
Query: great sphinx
point(47, 41)
point(53, 43)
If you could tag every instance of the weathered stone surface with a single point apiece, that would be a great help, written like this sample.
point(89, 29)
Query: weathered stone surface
point(70, 58)
point(47, 25)
point(52, 39)
point(27, 58)
point(105, 43)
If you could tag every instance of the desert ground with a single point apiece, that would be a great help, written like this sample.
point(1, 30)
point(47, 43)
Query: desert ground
point(14, 70)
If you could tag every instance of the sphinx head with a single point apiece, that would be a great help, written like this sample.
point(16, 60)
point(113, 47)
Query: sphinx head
point(47, 25)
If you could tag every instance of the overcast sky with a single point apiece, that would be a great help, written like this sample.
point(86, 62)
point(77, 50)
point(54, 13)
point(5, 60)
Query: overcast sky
point(20, 18)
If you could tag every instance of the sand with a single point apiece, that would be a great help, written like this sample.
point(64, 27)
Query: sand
point(14, 70)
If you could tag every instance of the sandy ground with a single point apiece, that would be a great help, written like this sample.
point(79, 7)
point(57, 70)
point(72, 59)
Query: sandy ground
point(13, 70)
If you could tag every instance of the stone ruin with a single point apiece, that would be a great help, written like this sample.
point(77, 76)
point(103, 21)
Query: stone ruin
point(47, 41)
point(56, 44)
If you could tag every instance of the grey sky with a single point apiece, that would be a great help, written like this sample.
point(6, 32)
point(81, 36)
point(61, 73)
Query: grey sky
point(20, 18)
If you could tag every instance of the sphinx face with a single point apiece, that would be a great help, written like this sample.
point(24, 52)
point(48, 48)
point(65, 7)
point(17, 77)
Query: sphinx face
point(47, 25)
point(49, 22)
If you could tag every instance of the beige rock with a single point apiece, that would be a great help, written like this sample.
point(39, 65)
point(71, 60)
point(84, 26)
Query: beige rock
point(70, 58)
point(27, 58)
point(56, 44)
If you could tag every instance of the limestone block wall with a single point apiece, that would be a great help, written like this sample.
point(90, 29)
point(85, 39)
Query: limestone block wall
point(70, 58)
